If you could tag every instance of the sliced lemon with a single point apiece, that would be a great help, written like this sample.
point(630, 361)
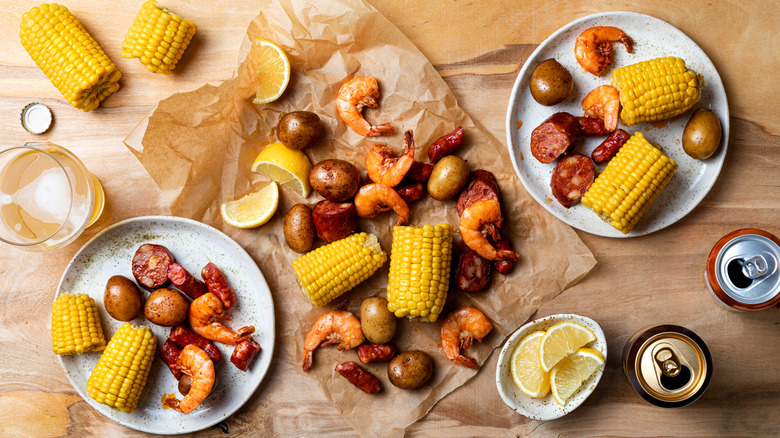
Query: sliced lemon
point(252, 210)
point(288, 167)
point(273, 71)
point(526, 370)
point(567, 376)
point(561, 340)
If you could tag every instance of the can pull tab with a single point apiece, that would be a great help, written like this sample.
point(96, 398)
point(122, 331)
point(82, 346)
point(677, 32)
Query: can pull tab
point(668, 362)
point(754, 267)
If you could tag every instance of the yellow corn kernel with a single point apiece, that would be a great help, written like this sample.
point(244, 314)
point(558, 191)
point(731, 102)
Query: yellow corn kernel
point(75, 325)
point(158, 37)
point(655, 90)
point(68, 55)
point(333, 269)
point(419, 271)
point(632, 180)
point(120, 374)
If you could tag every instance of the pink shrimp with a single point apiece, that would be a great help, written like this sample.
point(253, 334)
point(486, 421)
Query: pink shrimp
point(603, 102)
point(336, 326)
point(593, 48)
point(373, 199)
point(195, 363)
point(459, 330)
point(479, 219)
point(206, 316)
point(352, 97)
point(384, 168)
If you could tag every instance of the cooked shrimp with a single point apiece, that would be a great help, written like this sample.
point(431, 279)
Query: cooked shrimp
point(593, 48)
point(479, 219)
point(206, 316)
point(336, 326)
point(384, 168)
point(195, 363)
point(373, 199)
point(604, 103)
point(459, 330)
point(352, 97)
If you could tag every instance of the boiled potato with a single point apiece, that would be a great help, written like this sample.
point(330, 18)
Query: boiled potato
point(166, 307)
point(410, 369)
point(122, 299)
point(378, 323)
point(449, 175)
point(336, 180)
point(299, 129)
point(701, 135)
point(550, 83)
point(299, 230)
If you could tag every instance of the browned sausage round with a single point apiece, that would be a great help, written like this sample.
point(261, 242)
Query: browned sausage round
point(446, 145)
point(368, 353)
point(150, 265)
point(590, 126)
point(218, 285)
point(419, 172)
point(334, 220)
point(473, 272)
point(359, 377)
point(183, 337)
point(609, 147)
point(244, 353)
point(482, 186)
point(571, 178)
point(411, 193)
point(185, 282)
point(169, 352)
point(554, 137)
point(503, 266)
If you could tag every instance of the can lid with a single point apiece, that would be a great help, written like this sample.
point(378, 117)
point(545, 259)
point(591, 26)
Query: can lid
point(672, 367)
point(36, 118)
point(747, 269)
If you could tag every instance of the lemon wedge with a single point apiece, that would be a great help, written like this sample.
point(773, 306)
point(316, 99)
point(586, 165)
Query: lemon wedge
point(525, 367)
point(288, 167)
point(252, 210)
point(273, 71)
point(561, 340)
point(567, 376)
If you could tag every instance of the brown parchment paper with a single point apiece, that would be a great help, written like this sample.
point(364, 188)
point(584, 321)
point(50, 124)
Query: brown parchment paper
point(199, 146)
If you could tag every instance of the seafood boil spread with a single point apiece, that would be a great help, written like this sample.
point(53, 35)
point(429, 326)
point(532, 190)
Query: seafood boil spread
point(433, 273)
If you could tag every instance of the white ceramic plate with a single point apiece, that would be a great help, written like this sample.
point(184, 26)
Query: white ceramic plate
point(545, 408)
point(193, 245)
point(653, 38)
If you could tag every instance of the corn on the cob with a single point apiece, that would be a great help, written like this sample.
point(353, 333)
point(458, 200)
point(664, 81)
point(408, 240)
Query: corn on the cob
point(75, 325)
point(158, 37)
point(120, 374)
point(419, 271)
point(630, 183)
point(655, 90)
point(71, 59)
point(337, 267)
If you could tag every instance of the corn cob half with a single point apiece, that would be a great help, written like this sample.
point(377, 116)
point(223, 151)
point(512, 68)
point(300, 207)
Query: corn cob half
point(121, 372)
point(632, 180)
point(333, 269)
point(419, 271)
point(68, 55)
point(158, 37)
point(75, 325)
point(654, 90)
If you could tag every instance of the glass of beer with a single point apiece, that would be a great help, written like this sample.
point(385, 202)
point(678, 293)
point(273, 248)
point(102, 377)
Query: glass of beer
point(47, 196)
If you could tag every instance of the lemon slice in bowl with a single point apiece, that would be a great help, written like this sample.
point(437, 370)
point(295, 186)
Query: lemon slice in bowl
point(273, 71)
point(252, 210)
point(288, 167)
point(525, 367)
point(567, 376)
point(561, 340)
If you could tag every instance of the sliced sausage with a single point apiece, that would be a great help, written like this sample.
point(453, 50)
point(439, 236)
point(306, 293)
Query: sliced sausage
point(446, 145)
point(571, 178)
point(482, 186)
point(502, 266)
point(411, 193)
point(609, 147)
point(183, 337)
point(554, 137)
point(169, 352)
point(244, 353)
point(419, 172)
point(218, 285)
point(591, 127)
point(473, 272)
point(185, 282)
point(368, 353)
point(334, 220)
point(150, 265)
point(359, 377)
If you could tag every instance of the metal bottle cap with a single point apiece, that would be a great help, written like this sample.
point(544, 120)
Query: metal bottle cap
point(36, 118)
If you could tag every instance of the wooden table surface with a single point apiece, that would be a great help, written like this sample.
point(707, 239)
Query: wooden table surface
point(478, 47)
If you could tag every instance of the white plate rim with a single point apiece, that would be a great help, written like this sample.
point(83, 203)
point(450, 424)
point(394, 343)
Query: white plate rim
point(716, 161)
point(268, 347)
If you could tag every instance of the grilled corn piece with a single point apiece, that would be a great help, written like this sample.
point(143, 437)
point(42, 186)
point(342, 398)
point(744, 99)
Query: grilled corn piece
point(158, 37)
point(333, 269)
point(121, 372)
point(419, 271)
point(632, 180)
point(75, 325)
point(71, 59)
point(655, 90)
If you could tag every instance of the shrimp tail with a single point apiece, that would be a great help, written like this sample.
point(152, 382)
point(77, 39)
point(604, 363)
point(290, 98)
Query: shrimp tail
point(308, 360)
point(466, 361)
point(380, 130)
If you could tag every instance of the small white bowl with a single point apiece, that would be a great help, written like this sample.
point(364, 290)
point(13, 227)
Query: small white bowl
point(545, 408)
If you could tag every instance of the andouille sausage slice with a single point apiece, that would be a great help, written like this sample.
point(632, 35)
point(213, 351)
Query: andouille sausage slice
point(185, 282)
point(446, 145)
point(150, 265)
point(244, 353)
point(609, 147)
point(183, 337)
point(419, 172)
point(474, 272)
point(591, 127)
point(410, 193)
point(169, 352)
point(359, 377)
point(218, 285)
point(554, 137)
point(503, 266)
point(482, 186)
point(571, 178)
point(368, 353)
point(334, 220)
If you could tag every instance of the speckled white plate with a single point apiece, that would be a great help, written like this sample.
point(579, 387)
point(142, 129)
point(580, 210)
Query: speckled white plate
point(545, 408)
point(193, 245)
point(653, 38)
